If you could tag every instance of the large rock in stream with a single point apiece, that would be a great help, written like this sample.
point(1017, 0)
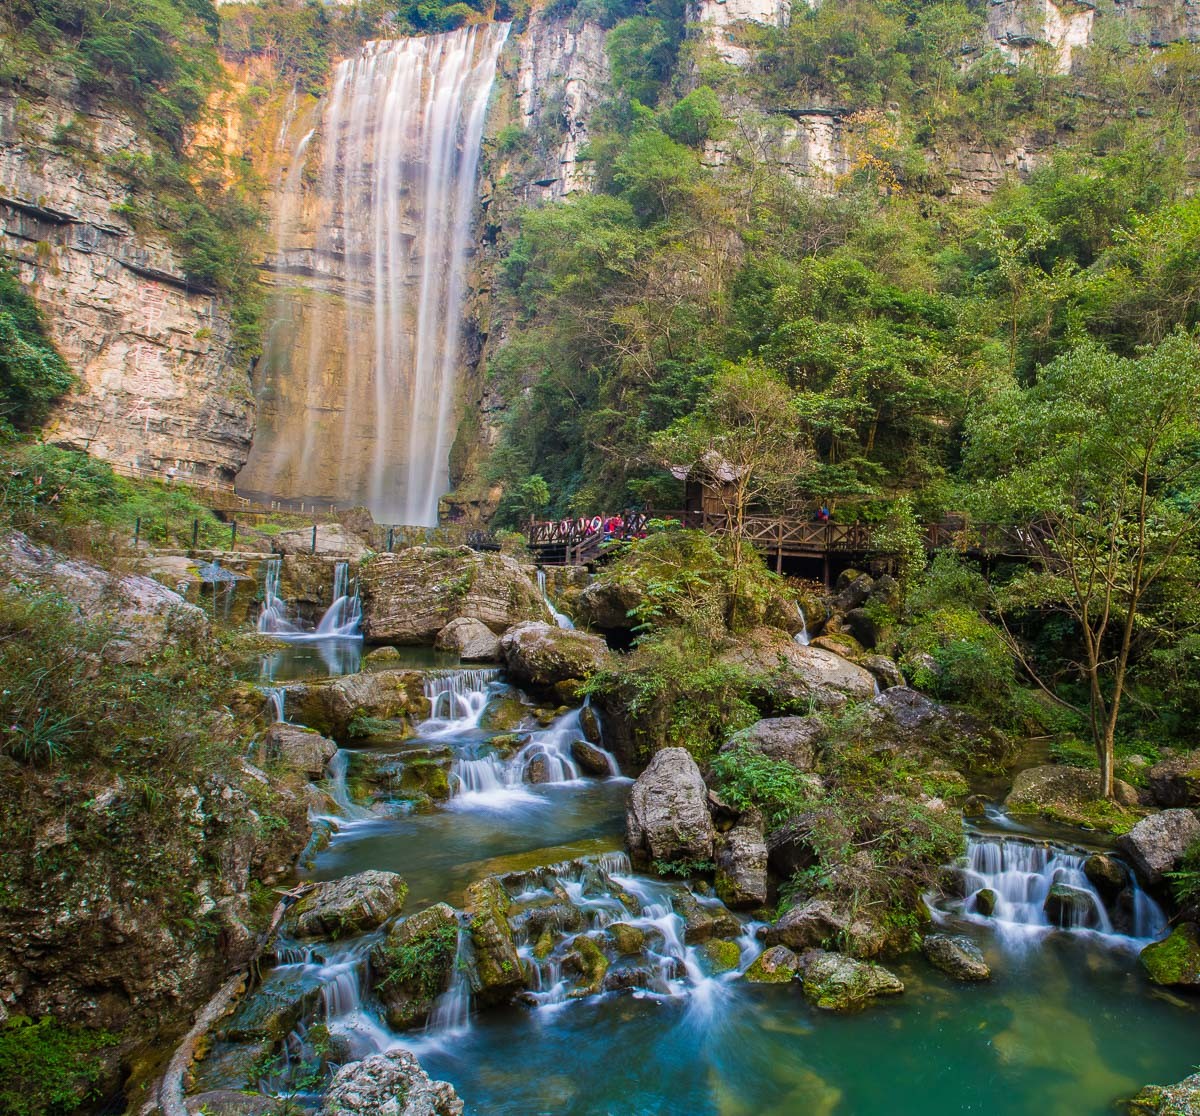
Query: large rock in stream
point(541, 655)
point(1180, 1099)
point(1067, 794)
point(496, 975)
point(957, 956)
point(1175, 961)
point(667, 816)
point(413, 964)
point(346, 907)
point(408, 597)
point(1156, 845)
point(834, 982)
point(472, 640)
point(300, 748)
point(333, 705)
point(741, 857)
point(390, 1084)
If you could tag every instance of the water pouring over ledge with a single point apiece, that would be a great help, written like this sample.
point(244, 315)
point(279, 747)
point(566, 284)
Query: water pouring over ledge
point(357, 392)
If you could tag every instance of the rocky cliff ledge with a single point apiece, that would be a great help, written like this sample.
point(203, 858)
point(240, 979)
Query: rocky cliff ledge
point(159, 384)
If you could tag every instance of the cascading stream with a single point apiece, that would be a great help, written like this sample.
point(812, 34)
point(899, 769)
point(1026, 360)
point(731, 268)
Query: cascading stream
point(1035, 887)
point(560, 618)
point(358, 396)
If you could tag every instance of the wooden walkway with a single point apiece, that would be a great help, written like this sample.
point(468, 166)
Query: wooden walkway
point(576, 543)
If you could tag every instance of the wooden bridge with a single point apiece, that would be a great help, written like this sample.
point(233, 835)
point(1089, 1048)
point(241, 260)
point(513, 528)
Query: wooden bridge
point(578, 542)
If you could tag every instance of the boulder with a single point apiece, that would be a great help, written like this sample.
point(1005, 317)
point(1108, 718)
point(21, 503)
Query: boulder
point(1175, 961)
point(667, 817)
point(904, 718)
point(1106, 874)
point(1070, 907)
point(628, 940)
point(408, 597)
point(330, 705)
point(956, 955)
point(333, 541)
point(985, 902)
point(786, 673)
point(853, 589)
point(1175, 781)
point(273, 1009)
point(496, 974)
point(1180, 1099)
point(539, 654)
point(741, 857)
point(607, 603)
point(703, 921)
point(145, 617)
point(834, 982)
point(809, 925)
point(413, 964)
point(1068, 794)
point(860, 624)
point(794, 740)
point(349, 906)
point(884, 670)
point(591, 760)
point(722, 956)
point(472, 640)
point(390, 1084)
point(775, 965)
point(382, 656)
point(1157, 843)
point(302, 749)
point(586, 959)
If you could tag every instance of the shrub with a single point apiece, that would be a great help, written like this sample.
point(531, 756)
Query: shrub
point(746, 778)
point(47, 1068)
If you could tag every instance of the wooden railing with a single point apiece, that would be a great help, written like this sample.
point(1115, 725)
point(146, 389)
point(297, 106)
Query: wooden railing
point(578, 541)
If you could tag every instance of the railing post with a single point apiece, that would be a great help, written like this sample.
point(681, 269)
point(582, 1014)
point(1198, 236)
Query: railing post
point(137, 531)
point(314, 539)
point(391, 535)
point(233, 535)
point(195, 532)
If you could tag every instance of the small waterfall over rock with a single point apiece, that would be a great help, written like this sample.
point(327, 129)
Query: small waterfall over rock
point(801, 637)
point(341, 620)
point(1025, 888)
point(357, 391)
point(560, 618)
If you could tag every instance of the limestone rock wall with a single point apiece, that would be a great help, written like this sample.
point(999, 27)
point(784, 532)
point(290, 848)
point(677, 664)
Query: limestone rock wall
point(159, 382)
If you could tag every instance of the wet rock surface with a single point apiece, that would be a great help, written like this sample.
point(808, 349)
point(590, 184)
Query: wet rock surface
point(408, 597)
point(956, 955)
point(472, 640)
point(542, 655)
point(1157, 843)
point(1175, 961)
point(349, 906)
point(834, 982)
point(667, 816)
point(301, 748)
point(390, 1084)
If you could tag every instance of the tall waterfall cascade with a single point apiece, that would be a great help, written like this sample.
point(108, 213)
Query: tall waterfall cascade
point(359, 382)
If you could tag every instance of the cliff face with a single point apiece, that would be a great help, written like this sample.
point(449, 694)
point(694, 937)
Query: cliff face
point(159, 384)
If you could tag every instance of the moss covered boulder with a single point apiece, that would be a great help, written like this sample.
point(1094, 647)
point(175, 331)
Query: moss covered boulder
point(496, 974)
point(722, 956)
point(834, 982)
point(786, 675)
point(302, 749)
point(408, 597)
point(346, 907)
point(542, 655)
point(1175, 961)
point(1180, 1099)
point(1070, 795)
point(333, 705)
point(775, 965)
point(414, 963)
point(956, 956)
point(587, 961)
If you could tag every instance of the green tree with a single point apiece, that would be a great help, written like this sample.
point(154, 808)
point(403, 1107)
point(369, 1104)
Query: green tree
point(1102, 456)
point(745, 436)
point(32, 374)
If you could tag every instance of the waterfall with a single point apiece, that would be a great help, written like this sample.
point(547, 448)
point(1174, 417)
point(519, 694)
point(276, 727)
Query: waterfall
point(348, 811)
point(343, 617)
point(457, 700)
point(1020, 875)
point(357, 401)
point(452, 1011)
point(801, 637)
point(277, 696)
point(560, 618)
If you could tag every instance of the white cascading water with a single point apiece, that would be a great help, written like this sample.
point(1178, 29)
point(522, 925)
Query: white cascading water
point(801, 637)
point(1021, 873)
point(402, 131)
point(342, 619)
point(560, 618)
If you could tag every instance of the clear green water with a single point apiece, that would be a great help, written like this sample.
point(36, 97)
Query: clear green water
point(1065, 1030)
point(1067, 1026)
